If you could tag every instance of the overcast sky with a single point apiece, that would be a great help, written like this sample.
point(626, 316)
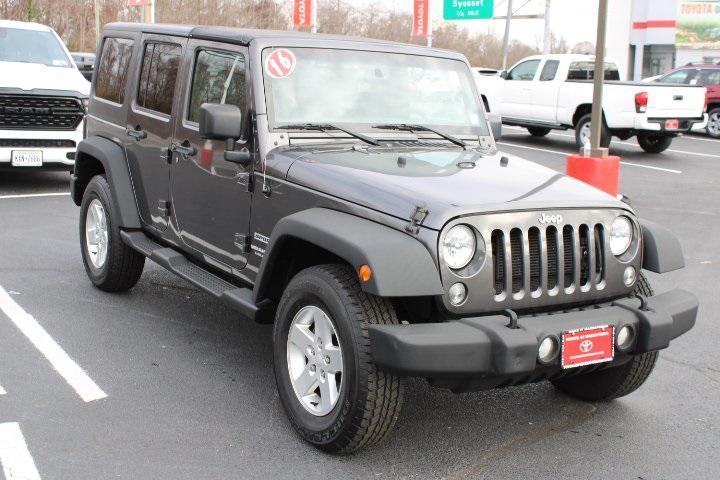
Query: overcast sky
point(573, 19)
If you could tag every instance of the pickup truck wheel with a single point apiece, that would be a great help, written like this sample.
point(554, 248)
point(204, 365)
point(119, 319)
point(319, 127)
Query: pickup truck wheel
point(654, 143)
point(111, 265)
point(713, 126)
point(610, 383)
point(538, 131)
point(334, 395)
point(582, 133)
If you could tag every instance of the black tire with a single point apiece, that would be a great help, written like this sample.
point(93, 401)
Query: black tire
point(538, 131)
point(713, 127)
point(369, 399)
point(123, 266)
point(605, 136)
point(653, 142)
point(615, 382)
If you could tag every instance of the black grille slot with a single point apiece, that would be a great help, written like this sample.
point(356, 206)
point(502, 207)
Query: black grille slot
point(498, 254)
point(585, 267)
point(599, 254)
point(569, 255)
point(535, 264)
point(35, 143)
point(552, 256)
point(37, 112)
point(517, 259)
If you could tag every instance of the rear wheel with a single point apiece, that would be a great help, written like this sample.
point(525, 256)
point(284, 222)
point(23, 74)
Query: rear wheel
point(582, 133)
point(653, 142)
point(111, 265)
point(334, 395)
point(610, 383)
point(538, 131)
point(713, 126)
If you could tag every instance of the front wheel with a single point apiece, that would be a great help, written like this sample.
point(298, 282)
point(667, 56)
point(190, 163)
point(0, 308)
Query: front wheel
point(613, 382)
point(334, 395)
point(582, 133)
point(653, 142)
point(713, 126)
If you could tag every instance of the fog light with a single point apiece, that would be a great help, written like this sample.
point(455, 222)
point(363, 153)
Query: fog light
point(629, 276)
point(457, 293)
point(625, 337)
point(548, 349)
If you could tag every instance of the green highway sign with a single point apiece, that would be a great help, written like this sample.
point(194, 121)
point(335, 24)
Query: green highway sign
point(468, 9)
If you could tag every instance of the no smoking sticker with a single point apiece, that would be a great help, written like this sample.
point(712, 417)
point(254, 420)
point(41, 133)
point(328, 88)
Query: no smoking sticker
point(280, 63)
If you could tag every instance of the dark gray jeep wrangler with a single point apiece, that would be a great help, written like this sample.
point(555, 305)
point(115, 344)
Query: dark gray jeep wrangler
point(350, 192)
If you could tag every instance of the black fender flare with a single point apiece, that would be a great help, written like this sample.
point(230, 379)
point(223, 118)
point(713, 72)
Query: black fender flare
point(661, 248)
point(401, 265)
point(112, 157)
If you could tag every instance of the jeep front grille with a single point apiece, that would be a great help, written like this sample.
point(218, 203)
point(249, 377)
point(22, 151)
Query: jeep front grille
point(35, 112)
point(545, 259)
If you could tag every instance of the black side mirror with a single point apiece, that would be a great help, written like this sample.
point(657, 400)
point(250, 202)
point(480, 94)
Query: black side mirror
point(224, 122)
point(504, 74)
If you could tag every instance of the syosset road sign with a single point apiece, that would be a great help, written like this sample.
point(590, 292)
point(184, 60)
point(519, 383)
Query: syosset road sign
point(468, 9)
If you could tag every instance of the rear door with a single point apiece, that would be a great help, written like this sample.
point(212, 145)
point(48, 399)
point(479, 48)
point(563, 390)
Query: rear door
point(211, 196)
point(149, 126)
point(516, 90)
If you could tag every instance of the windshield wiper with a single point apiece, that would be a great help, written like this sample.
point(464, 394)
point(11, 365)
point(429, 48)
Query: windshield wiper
point(325, 127)
point(422, 128)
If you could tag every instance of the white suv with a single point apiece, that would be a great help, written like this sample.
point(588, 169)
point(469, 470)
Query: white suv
point(42, 98)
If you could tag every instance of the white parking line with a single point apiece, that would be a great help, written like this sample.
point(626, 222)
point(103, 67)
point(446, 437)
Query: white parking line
point(32, 195)
point(17, 463)
point(61, 361)
point(558, 152)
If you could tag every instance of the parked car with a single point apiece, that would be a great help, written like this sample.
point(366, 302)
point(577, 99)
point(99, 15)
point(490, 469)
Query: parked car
point(85, 63)
point(42, 98)
point(706, 75)
point(545, 92)
point(372, 221)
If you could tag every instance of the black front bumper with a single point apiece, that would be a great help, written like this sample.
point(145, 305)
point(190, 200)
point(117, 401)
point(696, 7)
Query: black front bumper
point(485, 347)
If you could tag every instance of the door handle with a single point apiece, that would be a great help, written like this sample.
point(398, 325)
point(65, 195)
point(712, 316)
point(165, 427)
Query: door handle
point(136, 133)
point(184, 149)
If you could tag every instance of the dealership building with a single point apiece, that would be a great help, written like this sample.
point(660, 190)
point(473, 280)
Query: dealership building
point(662, 34)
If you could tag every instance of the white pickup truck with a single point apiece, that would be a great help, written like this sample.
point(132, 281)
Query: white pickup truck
point(545, 92)
point(42, 99)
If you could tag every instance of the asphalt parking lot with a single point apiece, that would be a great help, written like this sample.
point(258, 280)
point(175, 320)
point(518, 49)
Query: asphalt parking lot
point(165, 382)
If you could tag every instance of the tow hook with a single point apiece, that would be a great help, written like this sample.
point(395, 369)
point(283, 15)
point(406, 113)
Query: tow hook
point(513, 319)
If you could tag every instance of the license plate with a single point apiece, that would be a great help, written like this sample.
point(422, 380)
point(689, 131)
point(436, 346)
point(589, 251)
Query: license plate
point(26, 158)
point(672, 124)
point(585, 346)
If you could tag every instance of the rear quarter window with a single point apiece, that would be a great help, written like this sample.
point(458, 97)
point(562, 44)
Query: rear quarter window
point(113, 69)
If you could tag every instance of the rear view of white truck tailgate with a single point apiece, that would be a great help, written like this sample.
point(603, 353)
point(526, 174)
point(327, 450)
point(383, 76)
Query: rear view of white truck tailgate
point(674, 101)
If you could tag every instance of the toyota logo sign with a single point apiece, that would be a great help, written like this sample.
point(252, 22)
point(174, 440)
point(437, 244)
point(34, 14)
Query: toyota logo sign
point(586, 346)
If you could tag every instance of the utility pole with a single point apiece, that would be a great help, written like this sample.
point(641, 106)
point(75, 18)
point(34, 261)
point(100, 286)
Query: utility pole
point(506, 38)
point(547, 44)
point(429, 25)
point(596, 120)
point(97, 24)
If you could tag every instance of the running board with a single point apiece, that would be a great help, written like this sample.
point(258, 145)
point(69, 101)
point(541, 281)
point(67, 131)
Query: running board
point(240, 299)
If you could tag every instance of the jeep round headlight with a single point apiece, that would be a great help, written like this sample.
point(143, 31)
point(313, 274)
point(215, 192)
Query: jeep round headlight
point(621, 235)
point(458, 246)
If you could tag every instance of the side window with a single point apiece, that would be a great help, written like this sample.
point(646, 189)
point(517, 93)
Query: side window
point(549, 70)
point(158, 75)
point(218, 77)
point(709, 77)
point(524, 71)
point(113, 68)
point(681, 77)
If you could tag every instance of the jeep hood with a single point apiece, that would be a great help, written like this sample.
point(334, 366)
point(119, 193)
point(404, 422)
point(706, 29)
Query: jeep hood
point(36, 76)
point(395, 181)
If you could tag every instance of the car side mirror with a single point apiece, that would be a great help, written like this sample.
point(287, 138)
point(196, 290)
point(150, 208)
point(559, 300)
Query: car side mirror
point(495, 121)
point(504, 74)
point(224, 122)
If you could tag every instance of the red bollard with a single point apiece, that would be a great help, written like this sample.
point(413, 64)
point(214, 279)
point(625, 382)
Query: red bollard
point(602, 173)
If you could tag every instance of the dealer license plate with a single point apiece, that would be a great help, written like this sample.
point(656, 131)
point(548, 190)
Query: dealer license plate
point(585, 346)
point(26, 158)
point(672, 124)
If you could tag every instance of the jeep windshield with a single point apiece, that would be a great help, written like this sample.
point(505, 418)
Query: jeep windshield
point(32, 46)
point(368, 90)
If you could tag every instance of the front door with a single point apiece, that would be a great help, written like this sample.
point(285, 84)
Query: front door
point(211, 196)
point(516, 94)
point(149, 126)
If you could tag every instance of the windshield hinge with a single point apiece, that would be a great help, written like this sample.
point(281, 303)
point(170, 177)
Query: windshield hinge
point(417, 218)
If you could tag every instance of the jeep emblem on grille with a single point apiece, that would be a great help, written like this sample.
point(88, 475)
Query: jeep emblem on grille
point(545, 218)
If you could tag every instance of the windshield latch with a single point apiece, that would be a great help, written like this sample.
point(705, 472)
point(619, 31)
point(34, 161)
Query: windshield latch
point(417, 218)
